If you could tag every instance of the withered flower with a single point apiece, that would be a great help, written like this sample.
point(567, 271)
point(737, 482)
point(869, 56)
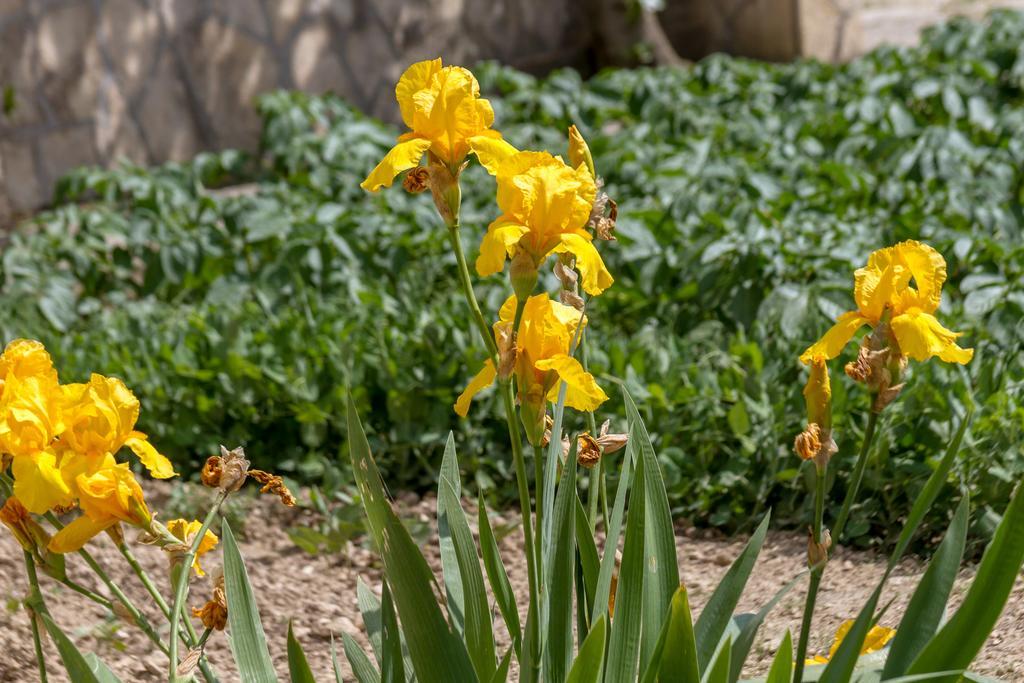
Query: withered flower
point(271, 483)
point(588, 451)
point(416, 180)
point(214, 614)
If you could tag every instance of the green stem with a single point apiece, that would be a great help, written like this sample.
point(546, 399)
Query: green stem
point(37, 600)
point(538, 494)
point(844, 514)
point(138, 617)
point(524, 504)
point(95, 597)
point(805, 624)
point(858, 476)
point(467, 289)
point(147, 582)
point(184, 569)
point(191, 638)
point(596, 472)
point(816, 573)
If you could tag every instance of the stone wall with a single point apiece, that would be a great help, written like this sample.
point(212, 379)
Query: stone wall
point(154, 80)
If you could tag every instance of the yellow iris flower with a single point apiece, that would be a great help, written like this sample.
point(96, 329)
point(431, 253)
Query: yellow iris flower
point(107, 493)
point(57, 434)
point(443, 109)
point(186, 531)
point(545, 206)
point(99, 418)
point(542, 353)
point(885, 283)
point(878, 637)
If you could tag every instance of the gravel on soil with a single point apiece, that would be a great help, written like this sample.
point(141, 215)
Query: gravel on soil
point(318, 594)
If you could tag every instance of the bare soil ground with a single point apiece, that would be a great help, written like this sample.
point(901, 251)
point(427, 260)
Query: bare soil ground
point(318, 592)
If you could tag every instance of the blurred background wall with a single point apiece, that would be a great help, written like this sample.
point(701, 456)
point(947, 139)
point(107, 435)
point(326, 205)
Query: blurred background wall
point(94, 81)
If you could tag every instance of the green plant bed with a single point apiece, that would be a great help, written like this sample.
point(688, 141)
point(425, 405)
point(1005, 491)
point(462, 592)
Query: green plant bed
point(747, 193)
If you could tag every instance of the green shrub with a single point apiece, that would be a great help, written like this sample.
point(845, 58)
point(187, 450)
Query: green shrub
point(747, 193)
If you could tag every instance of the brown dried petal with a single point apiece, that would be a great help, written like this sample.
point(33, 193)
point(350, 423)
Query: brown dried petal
point(808, 442)
point(416, 180)
point(211, 471)
point(588, 451)
point(233, 468)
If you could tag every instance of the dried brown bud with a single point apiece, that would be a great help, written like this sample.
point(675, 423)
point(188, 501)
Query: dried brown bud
point(817, 553)
point(885, 396)
point(214, 614)
point(190, 663)
point(211, 472)
point(610, 443)
point(271, 483)
point(506, 352)
point(233, 468)
point(588, 451)
point(548, 424)
point(611, 594)
point(566, 273)
point(416, 180)
point(15, 517)
point(571, 299)
point(808, 442)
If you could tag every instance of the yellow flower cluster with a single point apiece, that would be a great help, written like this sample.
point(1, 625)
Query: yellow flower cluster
point(62, 440)
point(883, 288)
point(547, 207)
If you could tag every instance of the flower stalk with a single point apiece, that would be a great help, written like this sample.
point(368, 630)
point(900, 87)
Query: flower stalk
point(181, 577)
point(34, 605)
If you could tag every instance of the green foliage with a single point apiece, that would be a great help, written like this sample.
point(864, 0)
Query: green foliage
point(748, 194)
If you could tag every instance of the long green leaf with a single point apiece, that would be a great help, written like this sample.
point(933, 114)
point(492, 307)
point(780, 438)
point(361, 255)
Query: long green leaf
point(102, 671)
point(715, 616)
point(923, 501)
point(362, 668)
point(436, 653)
point(782, 665)
point(74, 662)
point(590, 563)
point(624, 645)
point(675, 655)
point(479, 631)
point(661, 563)
point(611, 540)
point(335, 664)
point(928, 604)
point(449, 563)
point(298, 665)
point(373, 618)
point(553, 460)
point(959, 640)
point(842, 663)
point(745, 640)
point(718, 672)
point(559, 568)
point(497, 577)
point(501, 673)
point(248, 641)
point(394, 655)
point(590, 660)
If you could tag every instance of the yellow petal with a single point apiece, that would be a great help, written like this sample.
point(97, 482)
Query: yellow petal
point(483, 379)
point(818, 394)
point(491, 151)
point(158, 465)
point(416, 78)
point(402, 157)
point(596, 277)
point(38, 483)
point(582, 391)
point(877, 638)
point(921, 336)
point(838, 336)
point(502, 235)
point(579, 151)
point(929, 271)
point(78, 533)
